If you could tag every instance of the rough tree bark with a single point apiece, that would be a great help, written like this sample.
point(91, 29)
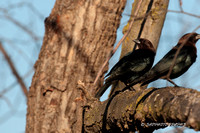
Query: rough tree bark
point(145, 111)
point(79, 35)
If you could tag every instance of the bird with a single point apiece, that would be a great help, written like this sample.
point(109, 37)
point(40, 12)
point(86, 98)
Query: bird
point(185, 58)
point(131, 66)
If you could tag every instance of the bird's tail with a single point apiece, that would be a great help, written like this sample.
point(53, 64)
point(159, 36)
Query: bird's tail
point(145, 79)
point(114, 87)
point(150, 77)
point(102, 89)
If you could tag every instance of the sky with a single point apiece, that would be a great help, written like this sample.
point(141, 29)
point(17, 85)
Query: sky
point(23, 48)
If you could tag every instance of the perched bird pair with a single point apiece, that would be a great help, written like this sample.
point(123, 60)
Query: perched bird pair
point(185, 58)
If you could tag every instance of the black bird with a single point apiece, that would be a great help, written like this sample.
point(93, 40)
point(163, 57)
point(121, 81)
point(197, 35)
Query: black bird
point(131, 66)
point(185, 58)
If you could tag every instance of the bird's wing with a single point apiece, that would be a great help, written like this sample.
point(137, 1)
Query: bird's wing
point(102, 89)
point(121, 63)
point(162, 67)
point(164, 64)
point(133, 63)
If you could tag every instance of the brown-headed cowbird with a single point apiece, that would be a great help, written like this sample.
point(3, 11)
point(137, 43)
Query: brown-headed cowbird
point(185, 58)
point(131, 66)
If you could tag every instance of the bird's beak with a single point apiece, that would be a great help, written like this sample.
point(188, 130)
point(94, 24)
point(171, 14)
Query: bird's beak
point(198, 37)
point(136, 41)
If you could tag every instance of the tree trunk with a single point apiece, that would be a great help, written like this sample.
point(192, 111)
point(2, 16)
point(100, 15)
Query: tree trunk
point(79, 35)
point(149, 23)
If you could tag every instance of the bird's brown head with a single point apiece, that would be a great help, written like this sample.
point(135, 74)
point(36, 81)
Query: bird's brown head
point(144, 44)
point(189, 38)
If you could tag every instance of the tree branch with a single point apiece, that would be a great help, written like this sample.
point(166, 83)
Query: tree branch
point(149, 109)
point(183, 12)
point(24, 89)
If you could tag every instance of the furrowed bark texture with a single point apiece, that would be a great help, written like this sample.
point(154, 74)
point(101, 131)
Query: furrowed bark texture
point(129, 112)
point(148, 24)
point(79, 35)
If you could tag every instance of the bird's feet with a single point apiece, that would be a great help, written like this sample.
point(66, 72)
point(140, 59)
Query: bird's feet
point(129, 87)
point(175, 85)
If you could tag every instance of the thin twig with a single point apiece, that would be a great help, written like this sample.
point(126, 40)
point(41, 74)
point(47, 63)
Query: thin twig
point(175, 56)
point(24, 89)
point(180, 5)
point(118, 44)
point(12, 85)
point(196, 28)
point(190, 14)
point(29, 7)
point(137, 18)
point(24, 28)
point(19, 24)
